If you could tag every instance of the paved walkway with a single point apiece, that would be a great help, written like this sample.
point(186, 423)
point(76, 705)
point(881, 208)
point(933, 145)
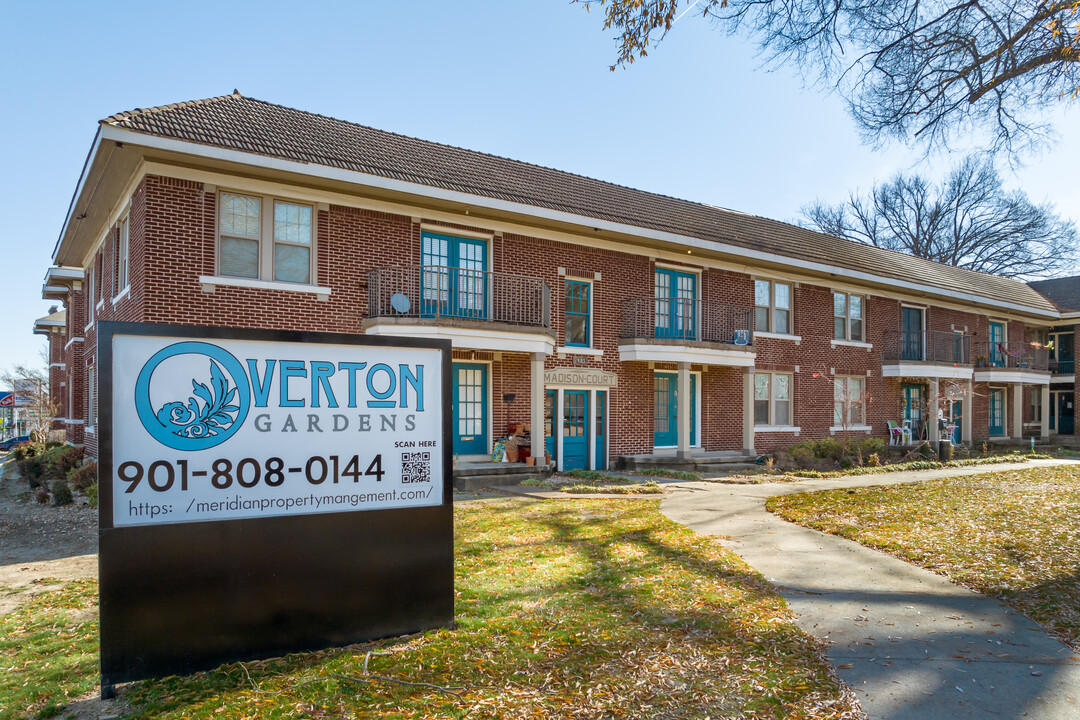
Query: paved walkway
point(910, 643)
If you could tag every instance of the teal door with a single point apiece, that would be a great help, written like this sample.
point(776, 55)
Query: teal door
point(676, 305)
point(549, 423)
point(997, 412)
point(1065, 413)
point(575, 430)
point(599, 421)
point(453, 278)
point(997, 338)
point(666, 409)
point(915, 410)
point(470, 409)
point(958, 420)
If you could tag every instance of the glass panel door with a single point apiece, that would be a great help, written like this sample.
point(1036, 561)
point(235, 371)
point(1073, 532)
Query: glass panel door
point(997, 349)
point(453, 280)
point(997, 412)
point(911, 334)
point(676, 305)
point(915, 411)
point(600, 433)
point(665, 428)
point(470, 408)
point(575, 429)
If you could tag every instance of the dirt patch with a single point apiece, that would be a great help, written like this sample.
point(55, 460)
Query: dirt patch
point(40, 544)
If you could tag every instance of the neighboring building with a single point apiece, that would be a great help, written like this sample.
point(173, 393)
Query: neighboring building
point(586, 309)
point(1065, 294)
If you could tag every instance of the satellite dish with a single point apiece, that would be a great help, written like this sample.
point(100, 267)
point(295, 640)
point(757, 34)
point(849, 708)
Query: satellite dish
point(400, 302)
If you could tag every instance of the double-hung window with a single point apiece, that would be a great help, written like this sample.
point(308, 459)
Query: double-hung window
point(123, 253)
point(578, 301)
point(772, 399)
point(847, 317)
point(91, 396)
point(91, 295)
point(772, 307)
point(1036, 408)
point(849, 401)
point(265, 238)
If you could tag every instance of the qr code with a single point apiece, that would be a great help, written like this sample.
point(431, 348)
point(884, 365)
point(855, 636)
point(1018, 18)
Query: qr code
point(416, 467)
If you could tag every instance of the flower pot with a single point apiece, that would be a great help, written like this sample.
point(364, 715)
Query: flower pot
point(531, 460)
point(547, 459)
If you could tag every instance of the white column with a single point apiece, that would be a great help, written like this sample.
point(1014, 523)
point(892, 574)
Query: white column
point(556, 430)
point(968, 409)
point(536, 407)
point(748, 411)
point(933, 433)
point(1044, 426)
point(683, 451)
point(590, 431)
point(1018, 411)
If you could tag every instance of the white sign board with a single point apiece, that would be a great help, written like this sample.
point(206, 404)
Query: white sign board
point(216, 429)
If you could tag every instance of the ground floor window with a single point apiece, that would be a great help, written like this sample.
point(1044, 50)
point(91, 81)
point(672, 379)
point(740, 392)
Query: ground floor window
point(772, 399)
point(1035, 407)
point(849, 401)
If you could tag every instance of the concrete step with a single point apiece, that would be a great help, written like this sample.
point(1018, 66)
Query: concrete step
point(471, 478)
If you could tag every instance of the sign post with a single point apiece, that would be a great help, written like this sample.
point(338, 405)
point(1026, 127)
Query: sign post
point(265, 492)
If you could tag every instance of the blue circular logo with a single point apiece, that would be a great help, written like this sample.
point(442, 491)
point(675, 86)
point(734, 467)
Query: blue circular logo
point(211, 415)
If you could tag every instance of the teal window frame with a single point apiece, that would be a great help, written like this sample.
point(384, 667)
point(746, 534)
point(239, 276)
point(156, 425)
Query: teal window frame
point(577, 306)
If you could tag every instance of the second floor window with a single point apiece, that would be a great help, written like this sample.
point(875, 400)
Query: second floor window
point(123, 245)
point(255, 245)
point(772, 307)
point(772, 399)
point(578, 297)
point(847, 317)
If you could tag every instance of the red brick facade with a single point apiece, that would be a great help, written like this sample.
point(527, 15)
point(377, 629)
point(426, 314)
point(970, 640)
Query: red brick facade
point(172, 244)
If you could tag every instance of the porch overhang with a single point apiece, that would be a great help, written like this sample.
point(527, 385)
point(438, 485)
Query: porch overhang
point(682, 351)
point(1007, 376)
point(939, 371)
point(501, 338)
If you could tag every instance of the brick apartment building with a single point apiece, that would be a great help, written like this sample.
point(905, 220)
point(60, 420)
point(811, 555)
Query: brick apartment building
point(577, 306)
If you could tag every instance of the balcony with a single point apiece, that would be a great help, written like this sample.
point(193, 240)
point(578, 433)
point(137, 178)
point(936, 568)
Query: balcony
point(1011, 356)
point(926, 354)
point(476, 309)
point(687, 330)
point(1062, 367)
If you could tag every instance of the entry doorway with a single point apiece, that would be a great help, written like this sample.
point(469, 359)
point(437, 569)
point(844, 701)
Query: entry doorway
point(470, 416)
point(1062, 412)
point(997, 412)
point(666, 409)
point(575, 428)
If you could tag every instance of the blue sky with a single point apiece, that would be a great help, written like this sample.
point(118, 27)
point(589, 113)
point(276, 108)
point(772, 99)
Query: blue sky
point(529, 80)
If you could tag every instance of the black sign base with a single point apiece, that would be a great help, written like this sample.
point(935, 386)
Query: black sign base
point(180, 598)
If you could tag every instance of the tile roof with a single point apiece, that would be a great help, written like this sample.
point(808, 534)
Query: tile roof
point(1063, 292)
point(241, 123)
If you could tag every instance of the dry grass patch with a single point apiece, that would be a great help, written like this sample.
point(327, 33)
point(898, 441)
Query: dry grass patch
point(565, 609)
point(1014, 535)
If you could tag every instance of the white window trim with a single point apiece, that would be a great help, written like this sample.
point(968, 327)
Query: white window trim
point(853, 428)
point(847, 317)
point(578, 350)
point(123, 294)
point(72, 341)
point(209, 282)
point(266, 239)
point(839, 380)
point(851, 343)
point(123, 249)
point(777, 336)
point(777, 428)
point(772, 400)
point(772, 307)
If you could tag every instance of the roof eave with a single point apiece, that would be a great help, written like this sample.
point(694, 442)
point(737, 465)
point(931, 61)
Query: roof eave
point(706, 247)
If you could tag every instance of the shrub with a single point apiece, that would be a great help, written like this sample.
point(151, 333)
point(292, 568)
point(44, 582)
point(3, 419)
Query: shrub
point(802, 454)
point(61, 493)
point(91, 495)
point(829, 449)
point(83, 477)
point(871, 446)
point(42, 496)
point(33, 471)
point(67, 460)
point(27, 450)
point(874, 460)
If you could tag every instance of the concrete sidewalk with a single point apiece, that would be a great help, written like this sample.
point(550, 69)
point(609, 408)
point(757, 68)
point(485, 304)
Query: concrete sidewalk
point(909, 642)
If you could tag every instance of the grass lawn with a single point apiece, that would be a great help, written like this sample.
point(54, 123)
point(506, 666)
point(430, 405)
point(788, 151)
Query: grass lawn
point(1014, 535)
point(565, 609)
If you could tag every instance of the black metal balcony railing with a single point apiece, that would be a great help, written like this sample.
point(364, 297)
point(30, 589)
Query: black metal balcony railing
point(687, 319)
point(932, 346)
point(1011, 355)
point(435, 291)
point(1062, 367)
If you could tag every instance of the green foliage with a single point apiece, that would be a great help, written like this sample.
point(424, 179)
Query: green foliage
point(91, 495)
point(84, 476)
point(874, 460)
point(807, 453)
point(26, 450)
point(61, 493)
point(919, 465)
point(67, 460)
point(588, 474)
point(687, 475)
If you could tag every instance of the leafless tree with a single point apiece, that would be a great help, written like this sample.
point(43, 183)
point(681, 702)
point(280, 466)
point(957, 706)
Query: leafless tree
point(30, 386)
point(932, 70)
point(968, 221)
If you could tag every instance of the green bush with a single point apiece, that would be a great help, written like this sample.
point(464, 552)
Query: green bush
point(61, 493)
point(27, 450)
point(871, 446)
point(67, 460)
point(802, 454)
point(91, 495)
point(84, 476)
point(33, 471)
